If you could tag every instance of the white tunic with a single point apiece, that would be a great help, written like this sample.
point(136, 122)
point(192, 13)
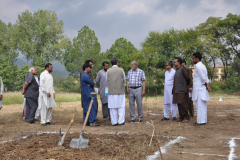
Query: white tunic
point(168, 86)
point(1, 92)
point(199, 80)
point(46, 86)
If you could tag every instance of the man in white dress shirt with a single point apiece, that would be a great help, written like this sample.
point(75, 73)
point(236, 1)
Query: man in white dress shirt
point(200, 89)
point(168, 96)
point(116, 93)
point(1, 93)
point(46, 95)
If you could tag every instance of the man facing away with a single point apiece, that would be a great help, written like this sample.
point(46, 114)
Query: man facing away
point(46, 95)
point(116, 93)
point(190, 86)
point(31, 93)
point(1, 93)
point(180, 90)
point(168, 96)
point(101, 81)
point(136, 90)
point(200, 89)
point(87, 86)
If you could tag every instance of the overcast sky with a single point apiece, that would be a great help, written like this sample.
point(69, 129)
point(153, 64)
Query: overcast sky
point(131, 19)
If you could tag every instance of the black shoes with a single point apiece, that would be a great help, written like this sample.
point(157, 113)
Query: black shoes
point(198, 124)
point(94, 124)
point(164, 119)
point(28, 121)
point(44, 124)
point(174, 118)
point(50, 123)
point(122, 123)
point(140, 120)
point(132, 121)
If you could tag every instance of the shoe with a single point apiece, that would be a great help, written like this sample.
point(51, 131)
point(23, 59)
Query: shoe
point(164, 119)
point(115, 125)
point(94, 124)
point(132, 121)
point(44, 124)
point(28, 121)
point(122, 123)
point(87, 124)
point(198, 124)
point(105, 117)
point(174, 118)
point(185, 121)
point(179, 120)
point(140, 120)
point(50, 123)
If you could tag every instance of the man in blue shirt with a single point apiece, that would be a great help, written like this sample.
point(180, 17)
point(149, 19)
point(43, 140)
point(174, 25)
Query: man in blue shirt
point(87, 86)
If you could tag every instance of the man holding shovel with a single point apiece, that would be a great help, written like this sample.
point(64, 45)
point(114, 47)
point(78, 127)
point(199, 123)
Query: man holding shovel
point(87, 86)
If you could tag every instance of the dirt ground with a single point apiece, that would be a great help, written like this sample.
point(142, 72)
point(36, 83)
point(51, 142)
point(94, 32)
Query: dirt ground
point(218, 139)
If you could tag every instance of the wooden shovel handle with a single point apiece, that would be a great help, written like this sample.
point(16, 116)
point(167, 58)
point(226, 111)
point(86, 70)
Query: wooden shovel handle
point(69, 126)
point(88, 112)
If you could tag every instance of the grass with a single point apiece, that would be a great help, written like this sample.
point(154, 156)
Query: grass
point(17, 97)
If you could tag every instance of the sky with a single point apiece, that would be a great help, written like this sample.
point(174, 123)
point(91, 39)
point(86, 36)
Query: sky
point(131, 19)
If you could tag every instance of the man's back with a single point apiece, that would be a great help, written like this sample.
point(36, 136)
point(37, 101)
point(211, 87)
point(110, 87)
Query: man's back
point(116, 81)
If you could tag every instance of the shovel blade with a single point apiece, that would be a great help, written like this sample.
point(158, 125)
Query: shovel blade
point(79, 143)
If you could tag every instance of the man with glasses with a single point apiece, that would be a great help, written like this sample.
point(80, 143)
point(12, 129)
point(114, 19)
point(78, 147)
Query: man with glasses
point(168, 97)
point(136, 90)
point(180, 90)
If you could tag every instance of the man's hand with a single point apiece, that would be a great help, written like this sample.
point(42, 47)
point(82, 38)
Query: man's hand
point(128, 90)
point(49, 95)
point(190, 89)
point(54, 95)
point(89, 85)
point(1, 96)
point(23, 92)
point(143, 93)
point(209, 88)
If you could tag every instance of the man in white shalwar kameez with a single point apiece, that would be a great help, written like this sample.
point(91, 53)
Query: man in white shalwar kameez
point(1, 93)
point(200, 89)
point(168, 96)
point(46, 95)
point(116, 93)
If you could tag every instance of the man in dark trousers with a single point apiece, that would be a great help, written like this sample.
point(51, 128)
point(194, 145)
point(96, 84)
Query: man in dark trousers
point(190, 86)
point(180, 90)
point(31, 92)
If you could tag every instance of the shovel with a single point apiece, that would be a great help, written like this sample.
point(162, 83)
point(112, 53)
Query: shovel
point(83, 142)
point(61, 138)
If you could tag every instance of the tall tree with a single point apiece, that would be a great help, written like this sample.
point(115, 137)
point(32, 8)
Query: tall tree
point(85, 46)
point(123, 50)
point(41, 36)
point(8, 52)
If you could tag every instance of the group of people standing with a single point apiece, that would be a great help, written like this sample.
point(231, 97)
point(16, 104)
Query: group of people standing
point(39, 95)
point(181, 89)
point(111, 82)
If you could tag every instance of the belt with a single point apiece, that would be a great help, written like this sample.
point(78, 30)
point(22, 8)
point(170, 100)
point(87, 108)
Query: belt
point(135, 87)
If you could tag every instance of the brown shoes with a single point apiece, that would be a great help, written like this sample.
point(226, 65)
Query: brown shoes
point(185, 121)
point(179, 120)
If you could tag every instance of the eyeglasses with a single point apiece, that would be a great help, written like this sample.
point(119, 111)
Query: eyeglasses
point(174, 62)
point(166, 65)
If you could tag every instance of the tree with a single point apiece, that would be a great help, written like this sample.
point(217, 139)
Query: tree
point(123, 50)
point(21, 75)
point(85, 46)
point(41, 36)
point(231, 32)
point(8, 52)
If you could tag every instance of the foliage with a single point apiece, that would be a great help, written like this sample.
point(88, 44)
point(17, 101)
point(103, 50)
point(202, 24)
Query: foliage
point(41, 36)
point(84, 47)
point(20, 78)
point(70, 84)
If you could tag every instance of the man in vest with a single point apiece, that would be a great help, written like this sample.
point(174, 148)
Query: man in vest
point(180, 90)
point(200, 89)
point(190, 86)
point(116, 93)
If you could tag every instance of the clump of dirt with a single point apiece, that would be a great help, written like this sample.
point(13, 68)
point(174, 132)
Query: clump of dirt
point(108, 146)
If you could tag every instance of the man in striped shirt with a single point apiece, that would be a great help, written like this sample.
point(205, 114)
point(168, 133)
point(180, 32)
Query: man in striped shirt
point(136, 90)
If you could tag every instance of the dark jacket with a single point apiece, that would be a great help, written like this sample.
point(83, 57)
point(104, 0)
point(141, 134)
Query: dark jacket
point(181, 80)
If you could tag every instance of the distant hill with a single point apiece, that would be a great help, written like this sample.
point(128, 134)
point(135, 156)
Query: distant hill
point(57, 67)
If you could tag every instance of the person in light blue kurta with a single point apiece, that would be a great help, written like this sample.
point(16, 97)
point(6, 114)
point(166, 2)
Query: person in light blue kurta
point(87, 86)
